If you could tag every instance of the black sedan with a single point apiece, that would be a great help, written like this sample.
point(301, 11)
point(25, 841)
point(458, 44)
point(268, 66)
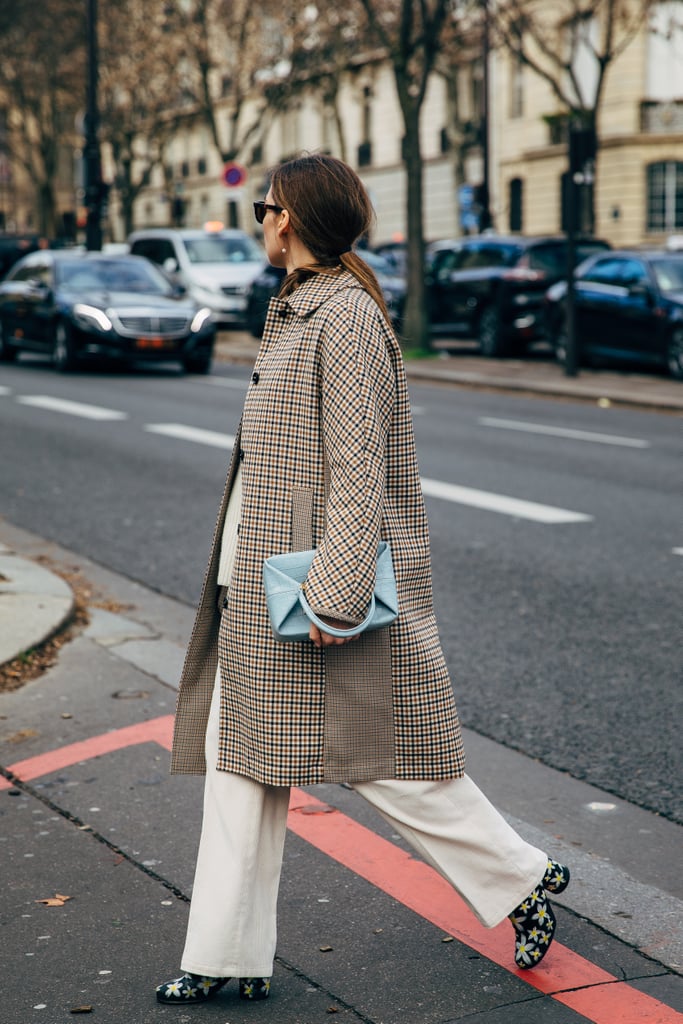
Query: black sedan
point(73, 304)
point(629, 310)
point(491, 287)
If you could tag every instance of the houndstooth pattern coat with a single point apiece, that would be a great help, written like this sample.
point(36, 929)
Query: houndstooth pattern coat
point(327, 460)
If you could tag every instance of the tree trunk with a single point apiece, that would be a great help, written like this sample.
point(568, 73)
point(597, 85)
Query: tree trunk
point(415, 333)
point(47, 215)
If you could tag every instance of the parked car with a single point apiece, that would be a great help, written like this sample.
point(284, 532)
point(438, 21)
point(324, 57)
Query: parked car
point(267, 284)
point(216, 266)
point(71, 304)
point(629, 309)
point(491, 287)
point(13, 247)
point(261, 290)
point(395, 253)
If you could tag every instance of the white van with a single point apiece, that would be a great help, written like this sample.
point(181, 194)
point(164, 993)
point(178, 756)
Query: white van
point(215, 266)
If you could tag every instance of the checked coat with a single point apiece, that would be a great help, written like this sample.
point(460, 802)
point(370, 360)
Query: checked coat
point(327, 461)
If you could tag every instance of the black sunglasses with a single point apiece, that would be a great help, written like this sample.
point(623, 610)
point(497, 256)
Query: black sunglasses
point(261, 208)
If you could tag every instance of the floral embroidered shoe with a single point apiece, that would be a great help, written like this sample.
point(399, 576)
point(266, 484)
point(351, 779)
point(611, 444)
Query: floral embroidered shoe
point(254, 988)
point(534, 922)
point(556, 877)
point(189, 988)
point(197, 988)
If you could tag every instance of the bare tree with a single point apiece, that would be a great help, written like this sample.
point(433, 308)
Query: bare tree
point(571, 45)
point(411, 34)
point(225, 43)
point(42, 87)
point(139, 87)
point(459, 61)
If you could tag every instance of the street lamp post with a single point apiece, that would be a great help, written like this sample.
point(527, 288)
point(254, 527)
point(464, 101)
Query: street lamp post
point(485, 218)
point(91, 149)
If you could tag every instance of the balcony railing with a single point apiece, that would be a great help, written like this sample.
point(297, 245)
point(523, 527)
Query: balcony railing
point(659, 117)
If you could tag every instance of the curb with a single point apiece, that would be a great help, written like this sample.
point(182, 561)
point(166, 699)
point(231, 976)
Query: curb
point(644, 392)
point(34, 604)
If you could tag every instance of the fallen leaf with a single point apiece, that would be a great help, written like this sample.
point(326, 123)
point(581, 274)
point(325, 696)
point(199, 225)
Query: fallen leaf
point(54, 901)
point(447, 938)
point(23, 734)
point(326, 949)
point(332, 1009)
point(315, 809)
point(81, 1009)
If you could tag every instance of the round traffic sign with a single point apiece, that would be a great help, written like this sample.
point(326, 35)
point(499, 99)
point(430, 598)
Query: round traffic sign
point(234, 175)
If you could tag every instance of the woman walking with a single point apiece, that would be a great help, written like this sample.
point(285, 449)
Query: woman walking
point(325, 460)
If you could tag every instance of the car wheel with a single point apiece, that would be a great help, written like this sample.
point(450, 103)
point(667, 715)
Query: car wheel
point(561, 344)
point(63, 356)
point(488, 333)
point(7, 352)
point(198, 364)
point(674, 356)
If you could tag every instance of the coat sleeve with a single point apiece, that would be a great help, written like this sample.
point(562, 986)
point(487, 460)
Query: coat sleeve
point(357, 391)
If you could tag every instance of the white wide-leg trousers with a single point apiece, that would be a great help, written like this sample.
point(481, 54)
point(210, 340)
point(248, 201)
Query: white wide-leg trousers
point(232, 928)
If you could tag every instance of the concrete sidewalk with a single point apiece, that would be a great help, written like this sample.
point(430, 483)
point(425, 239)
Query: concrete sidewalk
point(454, 364)
point(89, 812)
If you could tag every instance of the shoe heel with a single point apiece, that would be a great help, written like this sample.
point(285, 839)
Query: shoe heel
point(254, 988)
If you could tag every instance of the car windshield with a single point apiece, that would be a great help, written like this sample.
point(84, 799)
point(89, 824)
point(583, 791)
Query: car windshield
point(222, 249)
point(120, 275)
point(551, 258)
point(669, 274)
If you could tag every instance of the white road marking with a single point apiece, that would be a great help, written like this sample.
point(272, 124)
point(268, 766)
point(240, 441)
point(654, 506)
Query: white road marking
point(677, 551)
point(196, 434)
point(4, 390)
point(225, 382)
point(88, 412)
point(575, 435)
point(501, 503)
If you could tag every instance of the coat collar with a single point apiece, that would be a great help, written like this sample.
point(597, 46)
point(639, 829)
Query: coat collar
point(312, 293)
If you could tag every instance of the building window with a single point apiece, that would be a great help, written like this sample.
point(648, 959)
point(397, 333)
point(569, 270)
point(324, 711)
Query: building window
point(665, 196)
point(201, 165)
point(365, 154)
point(516, 204)
point(664, 75)
point(516, 88)
point(185, 169)
point(444, 141)
point(365, 147)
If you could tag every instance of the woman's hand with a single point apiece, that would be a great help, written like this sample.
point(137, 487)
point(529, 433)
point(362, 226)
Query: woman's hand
point(321, 639)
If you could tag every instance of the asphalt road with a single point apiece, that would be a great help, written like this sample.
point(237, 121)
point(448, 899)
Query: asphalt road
point(560, 617)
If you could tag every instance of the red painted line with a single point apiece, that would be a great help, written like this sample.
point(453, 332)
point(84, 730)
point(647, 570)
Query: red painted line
point(606, 1001)
point(157, 730)
point(565, 975)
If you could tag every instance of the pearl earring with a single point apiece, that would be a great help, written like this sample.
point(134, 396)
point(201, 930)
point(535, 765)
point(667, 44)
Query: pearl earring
point(283, 249)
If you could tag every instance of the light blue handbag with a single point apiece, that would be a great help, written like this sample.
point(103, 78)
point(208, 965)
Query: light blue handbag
point(290, 613)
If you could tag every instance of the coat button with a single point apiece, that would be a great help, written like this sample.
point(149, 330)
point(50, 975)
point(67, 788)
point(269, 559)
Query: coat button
point(283, 311)
point(242, 454)
point(255, 376)
point(225, 602)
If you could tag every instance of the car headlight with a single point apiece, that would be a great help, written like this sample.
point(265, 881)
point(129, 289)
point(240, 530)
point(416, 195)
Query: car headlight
point(86, 316)
point(200, 318)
